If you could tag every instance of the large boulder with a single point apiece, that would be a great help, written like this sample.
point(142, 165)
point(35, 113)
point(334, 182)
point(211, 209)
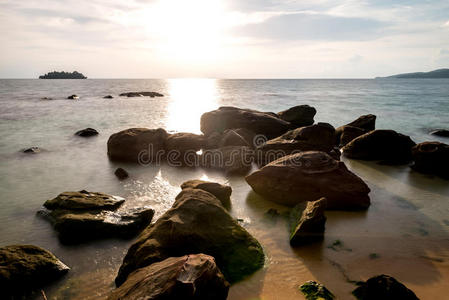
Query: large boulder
point(221, 191)
point(231, 138)
point(182, 145)
point(319, 137)
point(137, 145)
point(298, 116)
point(27, 267)
point(230, 159)
point(82, 216)
point(385, 145)
point(431, 158)
point(366, 122)
point(307, 220)
point(347, 133)
point(307, 176)
point(227, 117)
point(383, 287)
point(194, 276)
point(196, 223)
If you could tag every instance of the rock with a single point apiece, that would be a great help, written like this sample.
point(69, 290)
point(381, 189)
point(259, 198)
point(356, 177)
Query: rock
point(121, 173)
point(194, 276)
point(46, 98)
point(231, 159)
point(335, 153)
point(319, 137)
point(313, 290)
point(73, 97)
point(108, 97)
point(32, 150)
point(227, 117)
point(308, 222)
point(386, 145)
point(221, 191)
point(310, 175)
point(184, 142)
point(441, 132)
point(232, 138)
point(299, 116)
point(87, 132)
point(82, 216)
point(138, 145)
point(27, 267)
point(84, 200)
point(366, 122)
point(347, 133)
point(196, 223)
point(431, 158)
point(141, 94)
point(383, 287)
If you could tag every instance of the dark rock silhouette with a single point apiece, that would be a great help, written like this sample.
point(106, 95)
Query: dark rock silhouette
point(63, 75)
point(73, 97)
point(313, 290)
point(32, 150)
point(431, 158)
point(383, 287)
point(87, 132)
point(307, 222)
point(141, 94)
point(298, 116)
point(441, 132)
point(121, 173)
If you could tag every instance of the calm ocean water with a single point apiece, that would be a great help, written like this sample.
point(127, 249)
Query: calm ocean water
point(407, 225)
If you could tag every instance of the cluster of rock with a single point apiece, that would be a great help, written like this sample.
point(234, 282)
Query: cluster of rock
point(192, 251)
point(81, 216)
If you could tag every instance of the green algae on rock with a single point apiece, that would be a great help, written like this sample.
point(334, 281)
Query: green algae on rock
point(313, 290)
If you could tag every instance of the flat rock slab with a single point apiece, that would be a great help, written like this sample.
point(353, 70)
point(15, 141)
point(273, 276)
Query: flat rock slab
point(27, 267)
point(84, 200)
point(141, 94)
point(194, 276)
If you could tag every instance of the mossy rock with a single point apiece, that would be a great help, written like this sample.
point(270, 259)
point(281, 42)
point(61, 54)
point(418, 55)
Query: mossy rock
point(313, 290)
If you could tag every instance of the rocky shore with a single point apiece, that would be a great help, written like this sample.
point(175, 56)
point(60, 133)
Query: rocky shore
point(196, 249)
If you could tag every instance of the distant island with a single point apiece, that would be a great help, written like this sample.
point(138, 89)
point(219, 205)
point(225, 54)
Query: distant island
point(63, 75)
point(440, 73)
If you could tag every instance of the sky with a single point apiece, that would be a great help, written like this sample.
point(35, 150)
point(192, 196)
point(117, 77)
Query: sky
point(223, 38)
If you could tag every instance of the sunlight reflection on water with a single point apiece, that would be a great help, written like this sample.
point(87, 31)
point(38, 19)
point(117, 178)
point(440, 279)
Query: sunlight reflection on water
point(189, 99)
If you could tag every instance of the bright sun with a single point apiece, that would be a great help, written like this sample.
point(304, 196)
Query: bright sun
point(187, 30)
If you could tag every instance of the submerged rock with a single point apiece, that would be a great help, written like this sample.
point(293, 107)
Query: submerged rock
point(441, 132)
point(310, 175)
point(108, 97)
point(73, 97)
point(87, 132)
point(227, 117)
point(313, 290)
point(27, 267)
point(308, 222)
point(386, 145)
point(46, 98)
point(32, 150)
point(319, 137)
point(81, 216)
point(194, 276)
point(196, 223)
point(141, 94)
point(138, 145)
point(221, 191)
point(383, 287)
point(121, 173)
point(231, 159)
point(298, 116)
point(431, 158)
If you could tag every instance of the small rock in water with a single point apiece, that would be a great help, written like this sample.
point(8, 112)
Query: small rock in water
point(383, 287)
point(108, 97)
point(308, 222)
point(46, 98)
point(271, 215)
point(27, 267)
point(87, 132)
point(73, 97)
point(441, 132)
point(431, 158)
point(313, 290)
point(32, 150)
point(141, 94)
point(121, 173)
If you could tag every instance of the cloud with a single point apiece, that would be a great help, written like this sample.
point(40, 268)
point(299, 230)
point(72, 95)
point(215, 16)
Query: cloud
point(313, 26)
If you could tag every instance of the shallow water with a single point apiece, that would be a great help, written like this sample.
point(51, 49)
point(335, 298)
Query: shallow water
point(407, 225)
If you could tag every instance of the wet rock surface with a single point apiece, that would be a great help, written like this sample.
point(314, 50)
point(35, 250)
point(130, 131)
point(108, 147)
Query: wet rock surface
point(27, 267)
point(386, 145)
point(307, 176)
point(383, 287)
point(313, 290)
point(194, 276)
point(308, 221)
point(221, 191)
point(196, 223)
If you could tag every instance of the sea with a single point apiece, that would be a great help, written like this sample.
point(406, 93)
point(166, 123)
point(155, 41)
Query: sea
point(404, 233)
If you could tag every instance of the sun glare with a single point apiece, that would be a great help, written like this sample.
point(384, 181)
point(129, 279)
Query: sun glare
point(187, 30)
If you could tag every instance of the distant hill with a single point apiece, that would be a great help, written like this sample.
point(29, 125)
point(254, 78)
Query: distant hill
point(63, 75)
point(440, 73)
